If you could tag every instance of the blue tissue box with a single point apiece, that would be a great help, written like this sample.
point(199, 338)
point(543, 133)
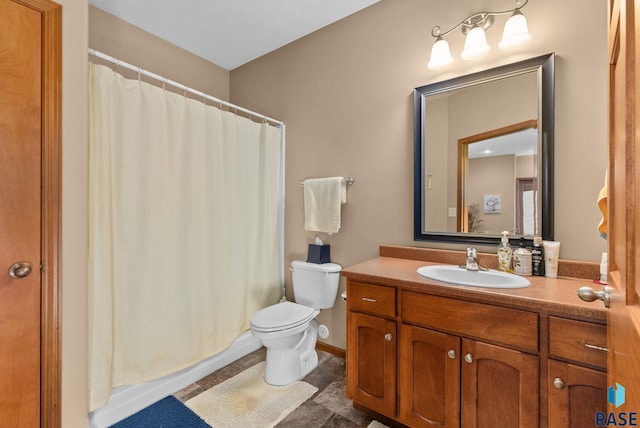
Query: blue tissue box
point(319, 254)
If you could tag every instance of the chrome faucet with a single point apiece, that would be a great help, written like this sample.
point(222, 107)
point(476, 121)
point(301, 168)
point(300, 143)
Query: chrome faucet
point(472, 260)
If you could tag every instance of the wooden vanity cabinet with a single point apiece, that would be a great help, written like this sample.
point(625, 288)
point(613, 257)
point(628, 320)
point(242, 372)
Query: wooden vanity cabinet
point(429, 366)
point(371, 347)
point(426, 360)
point(441, 369)
point(450, 380)
point(577, 380)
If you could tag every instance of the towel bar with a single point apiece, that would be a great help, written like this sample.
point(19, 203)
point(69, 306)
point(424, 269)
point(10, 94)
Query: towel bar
point(348, 180)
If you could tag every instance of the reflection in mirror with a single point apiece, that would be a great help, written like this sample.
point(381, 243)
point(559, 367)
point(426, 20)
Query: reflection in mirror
point(497, 181)
point(463, 194)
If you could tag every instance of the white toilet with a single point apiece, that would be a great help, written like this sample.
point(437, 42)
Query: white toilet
point(289, 330)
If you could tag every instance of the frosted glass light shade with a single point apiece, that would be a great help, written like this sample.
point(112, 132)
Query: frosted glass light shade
point(440, 55)
point(515, 32)
point(475, 45)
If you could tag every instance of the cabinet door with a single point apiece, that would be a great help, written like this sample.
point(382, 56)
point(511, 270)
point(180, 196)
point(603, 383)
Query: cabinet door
point(575, 395)
point(371, 362)
point(499, 387)
point(429, 378)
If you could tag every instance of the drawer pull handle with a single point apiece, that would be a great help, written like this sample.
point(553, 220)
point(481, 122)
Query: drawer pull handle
point(558, 383)
point(369, 299)
point(388, 337)
point(451, 354)
point(468, 358)
point(595, 347)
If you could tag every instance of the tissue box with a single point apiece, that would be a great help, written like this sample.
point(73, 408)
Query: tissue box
point(319, 254)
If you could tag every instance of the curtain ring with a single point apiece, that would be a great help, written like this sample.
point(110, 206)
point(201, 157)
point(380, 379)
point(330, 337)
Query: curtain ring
point(139, 75)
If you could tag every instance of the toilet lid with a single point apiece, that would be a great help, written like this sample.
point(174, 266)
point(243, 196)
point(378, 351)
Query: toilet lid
point(282, 316)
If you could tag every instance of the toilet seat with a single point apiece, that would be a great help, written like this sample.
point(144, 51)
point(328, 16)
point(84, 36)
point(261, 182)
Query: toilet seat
point(282, 316)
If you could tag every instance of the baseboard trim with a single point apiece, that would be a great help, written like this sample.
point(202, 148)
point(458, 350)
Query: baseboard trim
point(331, 349)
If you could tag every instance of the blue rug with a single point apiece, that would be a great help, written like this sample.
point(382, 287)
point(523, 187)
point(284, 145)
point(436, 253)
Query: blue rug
point(166, 413)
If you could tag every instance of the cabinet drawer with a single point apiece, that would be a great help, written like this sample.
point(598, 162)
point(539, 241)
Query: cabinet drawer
point(579, 341)
point(477, 320)
point(373, 299)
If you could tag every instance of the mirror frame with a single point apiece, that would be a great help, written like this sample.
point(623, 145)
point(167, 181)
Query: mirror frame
point(544, 67)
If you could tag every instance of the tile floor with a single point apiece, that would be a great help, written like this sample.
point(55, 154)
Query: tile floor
point(326, 408)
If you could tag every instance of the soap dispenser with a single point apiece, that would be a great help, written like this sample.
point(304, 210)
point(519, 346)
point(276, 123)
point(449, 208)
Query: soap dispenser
point(522, 260)
point(505, 253)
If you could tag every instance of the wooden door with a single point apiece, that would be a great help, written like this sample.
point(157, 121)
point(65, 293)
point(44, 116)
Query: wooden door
point(624, 193)
point(499, 387)
point(371, 362)
point(429, 378)
point(575, 395)
point(29, 205)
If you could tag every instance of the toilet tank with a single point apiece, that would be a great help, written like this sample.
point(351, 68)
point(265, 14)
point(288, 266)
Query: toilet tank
point(315, 285)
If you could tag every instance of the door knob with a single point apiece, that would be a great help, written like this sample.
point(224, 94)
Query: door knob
point(20, 270)
point(388, 337)
point(588, 294)
point(451, 354)
point(468, 358)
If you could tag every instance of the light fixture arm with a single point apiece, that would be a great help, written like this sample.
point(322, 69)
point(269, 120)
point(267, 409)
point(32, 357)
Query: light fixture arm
point(480, 19)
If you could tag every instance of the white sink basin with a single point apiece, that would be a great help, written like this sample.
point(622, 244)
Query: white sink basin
point(460, 276)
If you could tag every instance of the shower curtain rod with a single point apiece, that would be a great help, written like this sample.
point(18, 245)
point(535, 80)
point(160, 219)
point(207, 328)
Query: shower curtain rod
point(141, 71)
point(279, 123)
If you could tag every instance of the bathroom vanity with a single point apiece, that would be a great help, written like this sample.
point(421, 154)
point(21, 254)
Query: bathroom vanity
point(426, 353)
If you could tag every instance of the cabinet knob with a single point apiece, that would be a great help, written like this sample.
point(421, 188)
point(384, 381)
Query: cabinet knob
point(388, 337)
point(558, 383)
point(451, 354)
point(468, 358)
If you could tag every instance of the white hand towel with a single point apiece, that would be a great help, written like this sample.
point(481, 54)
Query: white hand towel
point(322, 200)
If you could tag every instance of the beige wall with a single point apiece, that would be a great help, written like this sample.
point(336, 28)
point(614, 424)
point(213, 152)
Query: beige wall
point(345, 94)
point(73, 286)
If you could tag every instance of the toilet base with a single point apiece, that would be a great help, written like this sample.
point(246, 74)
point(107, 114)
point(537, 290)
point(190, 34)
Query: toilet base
point(285, 366)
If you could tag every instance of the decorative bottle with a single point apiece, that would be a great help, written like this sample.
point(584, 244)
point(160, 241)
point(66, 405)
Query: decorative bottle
point(537, 257)
point(603, 268)
point(505, 253)
point(522, 260)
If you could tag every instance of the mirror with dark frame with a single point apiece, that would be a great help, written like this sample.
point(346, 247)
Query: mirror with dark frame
point(484, 155)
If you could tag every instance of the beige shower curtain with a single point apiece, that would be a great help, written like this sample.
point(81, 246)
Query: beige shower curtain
point(184, 229)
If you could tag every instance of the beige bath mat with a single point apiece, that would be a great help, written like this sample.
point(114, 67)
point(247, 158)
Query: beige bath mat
point(247, 401)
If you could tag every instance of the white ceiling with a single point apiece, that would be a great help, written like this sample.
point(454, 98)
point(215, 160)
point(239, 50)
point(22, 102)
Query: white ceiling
point(520, 143)
point(231, 33)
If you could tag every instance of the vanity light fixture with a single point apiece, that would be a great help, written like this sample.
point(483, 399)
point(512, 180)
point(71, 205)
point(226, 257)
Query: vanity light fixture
point(515, 34)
